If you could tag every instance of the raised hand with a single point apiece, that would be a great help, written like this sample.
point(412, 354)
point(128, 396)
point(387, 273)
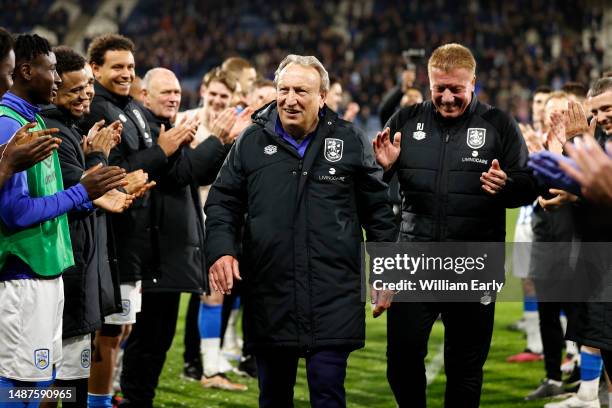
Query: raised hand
point(557, 135)
point(532, 138)
point(386, 152)
point(98, 180)
point(222, 125)
point(25, 148)
point(494, 180)
point(243, 120)
point(86, 141)
point(104, 139)
point(114, 201)
point(171, 140)
point(137, 183)
point(593, 170)
point(576, 122)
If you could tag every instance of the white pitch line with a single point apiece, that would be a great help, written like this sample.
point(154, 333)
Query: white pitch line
point(435, 364)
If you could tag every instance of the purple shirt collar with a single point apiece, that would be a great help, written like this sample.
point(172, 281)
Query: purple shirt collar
point(301, 147)
point(22, 107)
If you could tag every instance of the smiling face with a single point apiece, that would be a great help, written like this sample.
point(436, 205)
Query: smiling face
point(601, 108)
point(451, 91)
point(299, 98)
point(7, 66)
point(43, 78)
point(72, 94)
point(163, 95)
point(90, 90)
point(217, 97)
point(117, 73)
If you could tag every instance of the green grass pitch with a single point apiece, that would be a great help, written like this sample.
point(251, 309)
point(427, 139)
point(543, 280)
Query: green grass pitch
point(505, 385)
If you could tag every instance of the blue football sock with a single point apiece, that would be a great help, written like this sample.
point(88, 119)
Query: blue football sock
point(100, 401)
point(590, 366)
point(209, 321)
point(530, 304)
point(10, 383)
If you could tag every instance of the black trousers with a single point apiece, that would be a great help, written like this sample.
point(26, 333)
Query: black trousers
point(606, 356)
point(145, 352)
point(192, 333)
point(553, 339)
point(325, 370)
point(467, 338)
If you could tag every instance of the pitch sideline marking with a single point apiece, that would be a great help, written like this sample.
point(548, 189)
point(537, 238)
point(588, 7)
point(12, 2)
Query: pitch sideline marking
point(435, 365)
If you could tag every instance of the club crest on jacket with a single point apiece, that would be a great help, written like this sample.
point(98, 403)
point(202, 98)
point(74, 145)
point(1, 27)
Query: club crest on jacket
point(333, 149)
point(41, 358)
point(476, 137)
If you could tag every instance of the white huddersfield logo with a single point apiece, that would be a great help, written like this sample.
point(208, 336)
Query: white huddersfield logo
point(333, 149)
point(476, 137)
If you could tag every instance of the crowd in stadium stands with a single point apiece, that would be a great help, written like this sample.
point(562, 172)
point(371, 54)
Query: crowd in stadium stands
point(361, 42)
point(101, 234)
point(516, 43)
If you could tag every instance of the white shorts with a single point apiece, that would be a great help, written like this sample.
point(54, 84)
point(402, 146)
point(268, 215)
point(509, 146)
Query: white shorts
point(521, 250)
point(30, 328)
point(76, 358)
point(131, 300)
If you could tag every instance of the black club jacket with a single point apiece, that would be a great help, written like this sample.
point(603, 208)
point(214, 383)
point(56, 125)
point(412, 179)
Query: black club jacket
point(136, 151)
point(176, 218)
point(91, 291)
point(439, 171)
point(300, 263)
point(158, 239)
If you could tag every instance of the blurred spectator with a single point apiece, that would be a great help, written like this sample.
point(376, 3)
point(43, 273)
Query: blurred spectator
point(519, 44)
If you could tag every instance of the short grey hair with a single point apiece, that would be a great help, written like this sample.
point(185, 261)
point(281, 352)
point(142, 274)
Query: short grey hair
point(600, 86)
point(146, 80)
point(306, 61)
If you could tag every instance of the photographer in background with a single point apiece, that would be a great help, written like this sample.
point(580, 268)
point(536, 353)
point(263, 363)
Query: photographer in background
point(392, 100)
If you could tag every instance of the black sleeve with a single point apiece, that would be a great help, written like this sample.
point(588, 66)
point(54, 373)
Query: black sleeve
point(72, 170)
point(521, 186)
point(97, 112)
point(373, 206)
point(390, 103)
point(395, 124)
point(225, 207)
point(150, 160)
point(195, 166)
point(95, 158)
point(207, 159)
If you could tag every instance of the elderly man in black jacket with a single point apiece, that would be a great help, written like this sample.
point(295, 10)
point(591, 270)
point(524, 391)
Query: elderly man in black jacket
point(307, 182)
point(460, 164)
